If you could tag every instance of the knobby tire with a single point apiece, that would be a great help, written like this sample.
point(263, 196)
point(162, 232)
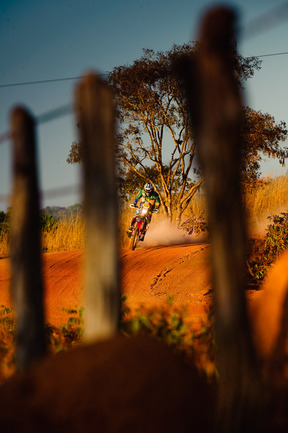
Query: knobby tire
point(134, 239)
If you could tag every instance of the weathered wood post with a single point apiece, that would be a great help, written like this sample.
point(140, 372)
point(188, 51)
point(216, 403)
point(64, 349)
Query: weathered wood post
point(26, 272)
point(215, 103)
point(96, 119)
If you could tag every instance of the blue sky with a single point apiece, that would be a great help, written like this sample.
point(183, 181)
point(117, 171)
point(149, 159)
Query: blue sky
point(42, 40)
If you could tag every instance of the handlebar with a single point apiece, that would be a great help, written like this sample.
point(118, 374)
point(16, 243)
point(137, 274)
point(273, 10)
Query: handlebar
point(134, 206)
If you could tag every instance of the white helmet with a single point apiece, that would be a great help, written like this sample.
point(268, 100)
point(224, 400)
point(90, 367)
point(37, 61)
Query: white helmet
point(148, 188)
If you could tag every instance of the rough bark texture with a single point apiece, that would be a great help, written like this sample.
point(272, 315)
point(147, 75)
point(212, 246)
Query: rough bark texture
point(94, 105)
point(216, 118)
point(26, 282)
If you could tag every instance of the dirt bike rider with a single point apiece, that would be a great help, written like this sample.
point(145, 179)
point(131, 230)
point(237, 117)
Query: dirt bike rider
point(149, 195)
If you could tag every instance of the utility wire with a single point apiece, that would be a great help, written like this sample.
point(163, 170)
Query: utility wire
point(68, 109)
point(54, 114)
point(51, 80)
point(261, 24)
point(266, 21)
point(270, 55)
point(50, 193)
point(55, 80)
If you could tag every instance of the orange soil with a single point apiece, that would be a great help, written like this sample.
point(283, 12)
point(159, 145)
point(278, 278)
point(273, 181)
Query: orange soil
point(150, 277)
point(157, 276)
point(62, 282)
point(132, 384)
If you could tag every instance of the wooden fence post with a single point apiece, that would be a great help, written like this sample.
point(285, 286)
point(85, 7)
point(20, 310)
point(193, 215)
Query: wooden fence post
point(96, 119)
point(26, 273)
point(213, 95)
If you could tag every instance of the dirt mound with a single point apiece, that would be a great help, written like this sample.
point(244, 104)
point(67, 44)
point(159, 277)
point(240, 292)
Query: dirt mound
point(63, 286)
point(130, 384)
point(269, 312)
point(120, 385)
point(154, 277)
point(149, 277)
point(62, 274)
point(177, 275)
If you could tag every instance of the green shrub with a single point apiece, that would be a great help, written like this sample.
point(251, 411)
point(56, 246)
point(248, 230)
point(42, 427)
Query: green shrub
point(168, 325)
point(263, 252)
point(7, 342)
point(47, 221)
point(4, 222)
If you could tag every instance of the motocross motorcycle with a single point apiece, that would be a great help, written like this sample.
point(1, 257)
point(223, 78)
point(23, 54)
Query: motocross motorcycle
point(140, 223)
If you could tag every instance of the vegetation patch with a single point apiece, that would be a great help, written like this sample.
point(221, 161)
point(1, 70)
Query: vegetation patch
point(264, 251)
point(168, 325)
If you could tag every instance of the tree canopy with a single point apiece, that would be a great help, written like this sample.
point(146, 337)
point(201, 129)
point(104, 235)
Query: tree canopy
point(155, 141)
point(262, 137)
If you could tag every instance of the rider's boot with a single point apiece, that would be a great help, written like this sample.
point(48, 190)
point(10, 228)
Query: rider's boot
point(142, 236)
point(129, 231)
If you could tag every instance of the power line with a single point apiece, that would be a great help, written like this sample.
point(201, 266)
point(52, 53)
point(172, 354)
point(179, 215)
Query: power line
point(260, 24)
point(51, 80)
point(4, 137)
point(270, 55)
point(256, 26)
point(61, 191)
point(54, 80)
point(266, 21)
point(67, 108)
point(50, 193)
point(54, 114)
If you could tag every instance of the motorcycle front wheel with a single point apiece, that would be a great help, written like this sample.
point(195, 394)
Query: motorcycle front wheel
point(134, 239)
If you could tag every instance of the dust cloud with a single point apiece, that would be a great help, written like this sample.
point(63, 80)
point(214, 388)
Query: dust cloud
point(165, 233)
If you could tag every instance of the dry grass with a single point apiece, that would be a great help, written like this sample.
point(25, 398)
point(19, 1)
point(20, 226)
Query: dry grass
point(4, 245)
point(269, 199)
point(197, 207)
point(67, 235)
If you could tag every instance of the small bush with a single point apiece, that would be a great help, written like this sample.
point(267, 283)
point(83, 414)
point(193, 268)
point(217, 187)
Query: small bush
point(195, 225)
point(171, 325)
point(168, 325)
point(263, 252)
point(47, 221)
point(68, 334)
point(7, 342)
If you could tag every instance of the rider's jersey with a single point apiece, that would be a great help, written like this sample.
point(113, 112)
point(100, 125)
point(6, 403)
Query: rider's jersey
point(153, 198)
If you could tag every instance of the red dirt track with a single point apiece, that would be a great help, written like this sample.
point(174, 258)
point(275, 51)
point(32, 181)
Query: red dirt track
point(150, 277)
point(62, 282)
point(178, 274)
point(130, 384)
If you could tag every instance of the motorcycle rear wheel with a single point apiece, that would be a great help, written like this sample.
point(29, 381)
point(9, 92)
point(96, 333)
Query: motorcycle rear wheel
point(134, 239)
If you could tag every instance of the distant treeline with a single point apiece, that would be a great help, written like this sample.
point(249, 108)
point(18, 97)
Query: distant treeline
point(48, 216)
point(60, 212)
